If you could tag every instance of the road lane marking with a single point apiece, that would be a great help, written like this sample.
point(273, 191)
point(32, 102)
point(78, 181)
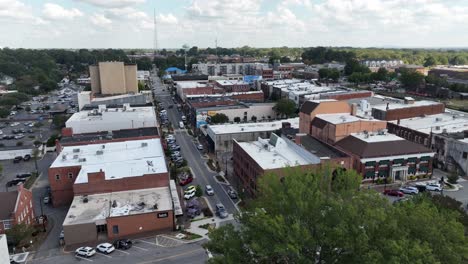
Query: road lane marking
point(80, 257)
point(105, 255)
point(173, 256)
point(146, 242)
point(122, 251)
point(140, 248)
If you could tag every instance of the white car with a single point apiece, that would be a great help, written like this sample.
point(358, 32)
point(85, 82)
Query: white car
point(14, 124)
point(85, 251)
point(189, 194)
point(170, 137)
point(409, 190)
point(200, 147)
point(105, 248)
point(433, 187)
point(19, 136)
point(1, 132)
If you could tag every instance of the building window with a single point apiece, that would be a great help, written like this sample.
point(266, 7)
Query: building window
point(70, 175)
point(115, 230)
point(465, 155)
point(7, 224)
point(57, 177)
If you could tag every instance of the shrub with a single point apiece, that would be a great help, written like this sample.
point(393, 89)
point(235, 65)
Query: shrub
point(453, 177)
point(198, 191)
point(19, 143)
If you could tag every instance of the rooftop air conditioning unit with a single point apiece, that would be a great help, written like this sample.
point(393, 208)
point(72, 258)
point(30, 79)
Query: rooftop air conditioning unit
point(75, 156)
point(76, 150)
point(437, 128)
point(82, 160)
point(64, 157)
point(144, 144)
point(99, 152)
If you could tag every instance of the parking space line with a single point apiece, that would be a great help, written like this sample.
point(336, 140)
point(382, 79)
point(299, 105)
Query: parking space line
point(105, 255)
point(122, 251)
point(140, 248)
point(76, 256)
point(146, 242)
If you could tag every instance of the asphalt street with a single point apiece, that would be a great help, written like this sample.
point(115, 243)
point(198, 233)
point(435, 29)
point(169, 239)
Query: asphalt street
point(190, 152)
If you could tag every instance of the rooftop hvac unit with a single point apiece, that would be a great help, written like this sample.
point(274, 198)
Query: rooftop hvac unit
point(82, 160)
point(75, 156)
point(103, 146)
point(64, 157)
point(438, 119)
point(99, 152)
point(85, 200)
point(437, 128)
point(76, 150)
point(144, 144)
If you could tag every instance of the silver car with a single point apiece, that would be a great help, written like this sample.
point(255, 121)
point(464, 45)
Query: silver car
point(209, 190)
point(221, 211)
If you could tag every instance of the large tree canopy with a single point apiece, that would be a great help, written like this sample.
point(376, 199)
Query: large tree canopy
point(285, 107)
point(320, 218)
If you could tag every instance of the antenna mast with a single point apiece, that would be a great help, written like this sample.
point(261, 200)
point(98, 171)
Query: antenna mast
point(155, 40)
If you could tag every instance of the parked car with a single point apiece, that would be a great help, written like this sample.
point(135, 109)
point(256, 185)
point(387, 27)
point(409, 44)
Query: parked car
point(19, 136)
point(396, 193)
point(409, 190)
point(221, 211)
point(123, 243)
point(105, 248)
point(23, 175)
point(85, 251)
point(209, 190)
point(436, 187)
point(185, 180)
point(189, 194)
point(17, 159)
point(181, 125)
point(420, 187)
point(175, 147)
point(200, 147)
point(15, 182)
point(232, 193)
point(170, 136)
point(190, 188)
point(46, 200)
point(27, 157)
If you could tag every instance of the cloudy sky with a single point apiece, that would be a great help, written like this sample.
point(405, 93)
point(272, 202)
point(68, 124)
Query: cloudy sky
point(257, 23)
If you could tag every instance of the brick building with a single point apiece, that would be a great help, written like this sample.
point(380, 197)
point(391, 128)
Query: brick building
point(107, 167)
point(331, 128)
point(410, 108)
point(16, 207)
point(381, 155)
point(312, 108)
point(251, 160)
point(229, 86)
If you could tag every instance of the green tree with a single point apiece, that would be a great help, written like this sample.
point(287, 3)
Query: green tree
point(144, 64)
point(253, 118)
point(18, 233)
point(353, 66)
point(411, 79)
point(322, 217)
point(237, 119)
point(59, 121)
point(430, 61)
point(198, 191)
point(382, 74)
point(4, 112)
point(285, 107)
point(219, 118)
point(453, 177)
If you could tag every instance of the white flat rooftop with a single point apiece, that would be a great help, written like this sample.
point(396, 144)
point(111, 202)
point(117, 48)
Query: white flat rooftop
point(391, 106)
point(111, 113)
point(252, 127)
point(286, 81)
point(99, 206)
point(448, 122)
point(231, 82)
point(375, 137)
point(191, 84)
point(283, 154)
point(341, 118)
point(105, 98)
point(116, 159)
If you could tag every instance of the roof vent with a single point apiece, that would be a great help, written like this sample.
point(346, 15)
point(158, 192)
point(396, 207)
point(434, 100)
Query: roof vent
point(75, 156)
point(114, 203)
point(99, 152)
point(82, 159)
point(64, 157)
point(438, 119)
point(85, 200)
point(76, 150)
point(103, 146)
point(144, 144)
point(437, 128)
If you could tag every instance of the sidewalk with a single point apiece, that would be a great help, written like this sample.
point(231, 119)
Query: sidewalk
point(194, 227)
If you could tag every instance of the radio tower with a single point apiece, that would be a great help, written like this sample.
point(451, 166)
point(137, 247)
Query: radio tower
point(155, 40)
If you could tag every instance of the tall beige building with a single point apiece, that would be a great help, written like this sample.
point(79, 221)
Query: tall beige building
point(113, 77)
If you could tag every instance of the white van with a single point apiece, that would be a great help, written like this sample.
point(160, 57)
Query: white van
point(181, 125)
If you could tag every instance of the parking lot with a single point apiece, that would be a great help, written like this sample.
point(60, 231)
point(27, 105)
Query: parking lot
point(146, 250)
point(10, 170)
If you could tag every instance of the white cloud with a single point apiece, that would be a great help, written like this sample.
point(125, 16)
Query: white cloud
point(112, 3)
point(57, 12)
point(100, 20)
point(167, 19)
point(19, 12)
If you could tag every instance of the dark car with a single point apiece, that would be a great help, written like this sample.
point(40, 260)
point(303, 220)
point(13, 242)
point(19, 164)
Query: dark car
point(17, 159)
point(27, 157)
point(23, 175)
point(232, 193)
point(396, 193)
point(15, 182)
point(421, 188)
point(123, 243)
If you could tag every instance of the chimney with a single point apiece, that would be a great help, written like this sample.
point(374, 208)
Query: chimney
point(398, 121)
point(285, 125)
point(387, 106)
point(353, 109)
point(298, 138)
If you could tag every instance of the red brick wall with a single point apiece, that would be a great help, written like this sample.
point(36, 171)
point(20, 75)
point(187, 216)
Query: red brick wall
point(97, 183)
point(62, 189)
point(130, 225)
point(348, 96)
point(24, 211)
point(394, 114)
point(201, 90)
point(250, 97)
